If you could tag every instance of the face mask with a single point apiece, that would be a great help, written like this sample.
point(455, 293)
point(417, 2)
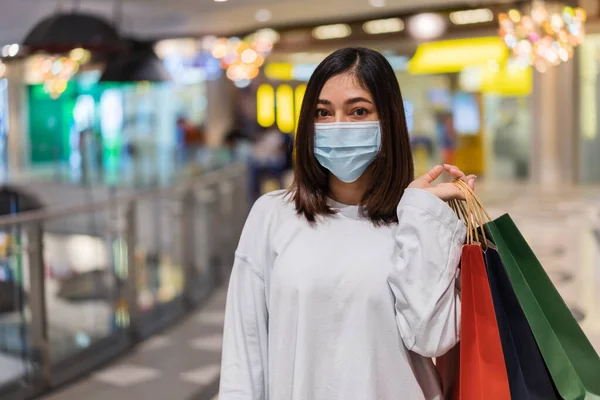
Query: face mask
point(346, 149)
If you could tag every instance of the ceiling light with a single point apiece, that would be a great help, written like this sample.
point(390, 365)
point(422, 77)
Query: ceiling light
point(426, 26)
point(220, 1)
point(249, 56)
point(337, 31)
point(5, 50)
point(377, 3)
point(13, 50)
point(379, 26)
point(263, 15)
point(186, 47)
point(545, 35)
point(477, 16)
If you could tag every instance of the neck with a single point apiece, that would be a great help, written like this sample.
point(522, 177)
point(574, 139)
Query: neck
point(349, 193)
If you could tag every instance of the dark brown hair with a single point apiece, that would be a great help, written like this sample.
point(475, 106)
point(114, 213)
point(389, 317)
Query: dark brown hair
point(392, 169)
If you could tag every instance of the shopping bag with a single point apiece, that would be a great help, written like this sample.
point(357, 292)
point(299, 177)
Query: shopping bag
point(482, 368)
point(483, 373)
point(570, 357)
point(527, 374)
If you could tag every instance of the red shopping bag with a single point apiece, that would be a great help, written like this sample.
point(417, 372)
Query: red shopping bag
point(481, 368)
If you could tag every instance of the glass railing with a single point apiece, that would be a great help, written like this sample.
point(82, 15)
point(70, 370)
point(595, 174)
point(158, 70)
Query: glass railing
point(81, 285)
point(153, 165)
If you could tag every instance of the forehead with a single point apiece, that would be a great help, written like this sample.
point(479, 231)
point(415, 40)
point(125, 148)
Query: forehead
point(343, 86)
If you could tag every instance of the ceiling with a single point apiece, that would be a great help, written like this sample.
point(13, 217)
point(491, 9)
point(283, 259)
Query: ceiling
point(168, 18)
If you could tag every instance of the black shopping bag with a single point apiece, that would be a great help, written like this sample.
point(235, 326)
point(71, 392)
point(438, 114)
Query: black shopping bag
point(527, 373)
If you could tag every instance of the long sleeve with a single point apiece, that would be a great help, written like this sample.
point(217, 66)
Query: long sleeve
point(244, 362)
point(429, 240)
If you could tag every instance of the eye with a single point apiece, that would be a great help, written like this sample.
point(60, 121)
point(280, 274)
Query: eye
point(322, 113)
point(360, 112)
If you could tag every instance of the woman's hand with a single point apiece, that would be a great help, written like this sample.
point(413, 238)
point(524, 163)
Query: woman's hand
point(445, 191)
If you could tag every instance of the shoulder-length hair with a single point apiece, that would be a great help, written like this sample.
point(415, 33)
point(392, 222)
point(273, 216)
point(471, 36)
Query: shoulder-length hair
point(392, 169)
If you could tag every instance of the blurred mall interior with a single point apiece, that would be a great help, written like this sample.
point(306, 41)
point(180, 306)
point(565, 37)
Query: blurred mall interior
point(135, 134)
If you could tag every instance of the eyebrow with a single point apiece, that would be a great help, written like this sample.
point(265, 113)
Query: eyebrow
point(353, 100)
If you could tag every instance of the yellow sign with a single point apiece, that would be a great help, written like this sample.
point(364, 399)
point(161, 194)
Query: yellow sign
point(265, 105)
point(451, 56)
point(284, 107)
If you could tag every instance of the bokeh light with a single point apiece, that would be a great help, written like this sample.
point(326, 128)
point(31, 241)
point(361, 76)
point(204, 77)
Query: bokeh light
point(546, 35)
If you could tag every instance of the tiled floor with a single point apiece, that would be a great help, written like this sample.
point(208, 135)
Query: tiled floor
point(559, 225)
point(180, 364)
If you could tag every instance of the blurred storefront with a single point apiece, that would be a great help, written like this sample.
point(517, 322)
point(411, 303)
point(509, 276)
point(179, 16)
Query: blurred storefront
point(472, 104)
point(70, 124)
point(93, 127)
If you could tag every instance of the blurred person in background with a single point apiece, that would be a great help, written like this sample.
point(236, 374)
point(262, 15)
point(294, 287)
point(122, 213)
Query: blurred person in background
point(268, 160)
point(344, 286)
point(192, 139)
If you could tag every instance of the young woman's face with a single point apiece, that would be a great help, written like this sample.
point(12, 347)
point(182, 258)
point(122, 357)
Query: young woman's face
point(343, 99)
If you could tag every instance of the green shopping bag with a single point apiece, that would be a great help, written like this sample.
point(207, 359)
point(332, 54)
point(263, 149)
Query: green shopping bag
point(570, 357)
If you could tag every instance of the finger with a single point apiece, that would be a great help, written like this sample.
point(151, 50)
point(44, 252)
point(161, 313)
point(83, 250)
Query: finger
point(456, 172)
point(466, 179)
point(451, 168)
point(471, 183)
point(448, 167)
point(433, 174)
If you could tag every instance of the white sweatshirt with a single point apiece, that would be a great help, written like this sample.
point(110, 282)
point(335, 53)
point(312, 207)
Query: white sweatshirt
point(342, 310)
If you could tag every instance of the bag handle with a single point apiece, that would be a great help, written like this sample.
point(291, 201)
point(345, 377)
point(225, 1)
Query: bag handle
point(463, 186)
point(472, 212)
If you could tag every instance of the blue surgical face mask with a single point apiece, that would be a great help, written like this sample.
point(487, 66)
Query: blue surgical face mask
point(346, 149)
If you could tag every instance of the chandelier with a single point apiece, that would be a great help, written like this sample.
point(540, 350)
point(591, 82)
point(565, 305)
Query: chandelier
point(242, 58)
point(55, 71)
point(544, 35)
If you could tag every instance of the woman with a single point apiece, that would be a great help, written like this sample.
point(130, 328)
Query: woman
point(344, 286)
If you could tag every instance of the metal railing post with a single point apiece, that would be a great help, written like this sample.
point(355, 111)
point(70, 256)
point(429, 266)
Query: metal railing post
point(188, 236)
point(209, 234)
point(131, 294)
point(37, 297)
